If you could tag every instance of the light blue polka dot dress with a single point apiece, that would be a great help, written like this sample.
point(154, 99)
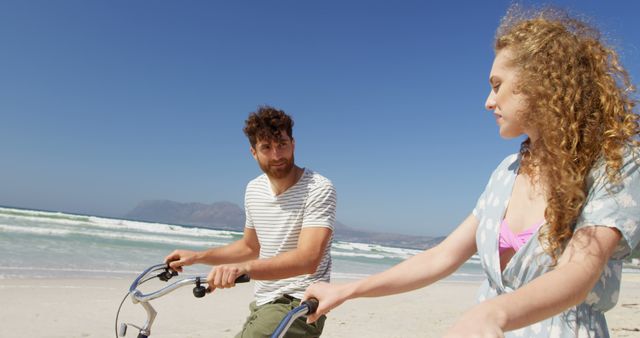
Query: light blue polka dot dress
point(616, 206)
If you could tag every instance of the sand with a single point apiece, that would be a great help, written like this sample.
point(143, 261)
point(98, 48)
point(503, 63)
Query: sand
point(87, 308)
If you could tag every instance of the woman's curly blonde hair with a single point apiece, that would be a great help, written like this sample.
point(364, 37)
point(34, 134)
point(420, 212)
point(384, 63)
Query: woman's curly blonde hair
point(579, 99)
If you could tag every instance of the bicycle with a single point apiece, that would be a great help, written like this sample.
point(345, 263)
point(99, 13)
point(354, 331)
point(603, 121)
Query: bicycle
point(200, 290)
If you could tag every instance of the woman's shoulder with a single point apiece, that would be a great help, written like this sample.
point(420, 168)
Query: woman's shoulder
point(510, 160)
point(508, 164)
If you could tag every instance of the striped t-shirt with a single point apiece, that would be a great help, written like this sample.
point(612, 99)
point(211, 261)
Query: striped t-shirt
point(278, 220)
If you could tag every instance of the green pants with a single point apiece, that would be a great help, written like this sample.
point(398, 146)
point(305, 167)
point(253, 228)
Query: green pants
point(264, 319)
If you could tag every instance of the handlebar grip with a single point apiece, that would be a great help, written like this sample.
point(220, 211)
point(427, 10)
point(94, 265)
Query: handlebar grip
point(243, 279)
point(312, 304)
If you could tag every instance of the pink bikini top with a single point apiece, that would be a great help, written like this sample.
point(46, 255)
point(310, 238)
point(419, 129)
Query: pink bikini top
point(509, 240)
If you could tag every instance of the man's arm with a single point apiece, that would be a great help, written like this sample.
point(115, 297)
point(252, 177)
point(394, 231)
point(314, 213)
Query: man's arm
point(304, 259)
point(568, 284)
point(239, 251)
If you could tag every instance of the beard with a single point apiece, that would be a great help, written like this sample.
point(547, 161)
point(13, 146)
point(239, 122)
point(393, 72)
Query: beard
point(278, 172)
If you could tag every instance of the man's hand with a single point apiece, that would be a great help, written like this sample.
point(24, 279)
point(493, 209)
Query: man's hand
point(224, 276)
point(180, 258)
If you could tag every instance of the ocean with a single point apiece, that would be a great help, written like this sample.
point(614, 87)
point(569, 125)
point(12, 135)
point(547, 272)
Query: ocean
point(44, 244)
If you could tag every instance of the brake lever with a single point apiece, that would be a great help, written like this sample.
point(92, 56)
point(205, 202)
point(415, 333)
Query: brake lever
point(167, 274)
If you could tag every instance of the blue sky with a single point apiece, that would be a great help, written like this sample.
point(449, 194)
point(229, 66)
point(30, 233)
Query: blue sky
point(104, 104)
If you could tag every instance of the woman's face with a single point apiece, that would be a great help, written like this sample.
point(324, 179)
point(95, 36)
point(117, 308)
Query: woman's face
point(504, 98)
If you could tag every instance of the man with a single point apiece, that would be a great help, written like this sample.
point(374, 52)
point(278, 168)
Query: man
point(290, 212)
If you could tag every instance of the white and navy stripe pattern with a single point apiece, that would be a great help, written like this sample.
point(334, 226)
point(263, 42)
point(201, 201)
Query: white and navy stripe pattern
point(278, 220)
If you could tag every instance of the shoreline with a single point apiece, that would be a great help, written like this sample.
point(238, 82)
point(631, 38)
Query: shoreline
point(85, 307)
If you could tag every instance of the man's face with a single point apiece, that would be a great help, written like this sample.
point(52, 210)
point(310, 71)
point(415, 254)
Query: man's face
point(275, 158)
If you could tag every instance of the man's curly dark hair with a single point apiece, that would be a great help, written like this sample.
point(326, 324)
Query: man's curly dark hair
point(266, 124)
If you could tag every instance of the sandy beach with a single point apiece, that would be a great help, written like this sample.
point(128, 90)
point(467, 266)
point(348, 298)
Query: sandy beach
point(87, 307)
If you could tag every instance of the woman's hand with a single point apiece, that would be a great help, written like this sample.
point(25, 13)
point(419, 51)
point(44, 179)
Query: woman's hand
point(329, 296)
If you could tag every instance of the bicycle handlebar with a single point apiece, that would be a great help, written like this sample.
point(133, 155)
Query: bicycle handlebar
point(138, 297)
point(307, 307)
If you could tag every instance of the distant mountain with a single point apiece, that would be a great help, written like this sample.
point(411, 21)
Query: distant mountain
point(229, 216)
point(219, 215)
point(348, 234)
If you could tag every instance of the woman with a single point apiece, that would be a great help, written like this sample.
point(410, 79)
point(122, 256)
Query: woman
point(555, 219)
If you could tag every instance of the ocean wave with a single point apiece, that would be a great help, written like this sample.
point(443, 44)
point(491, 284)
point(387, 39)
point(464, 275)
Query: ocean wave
point(463, 274)
point(475, 259)
point(347, 275)
point(163, 228)
point(32, 230)
point(387, 251)
point(100, 222)
point(35, 268)
point(130, 248)
point(131, 237)
point(40, 214)
point(157, 239)
point(45, 220)
point(355, 254)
